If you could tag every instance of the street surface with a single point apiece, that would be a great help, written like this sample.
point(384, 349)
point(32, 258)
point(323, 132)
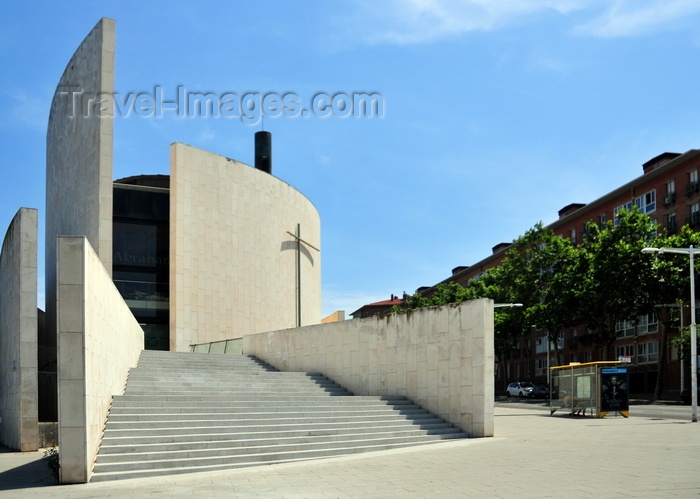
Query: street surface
point(660, 410)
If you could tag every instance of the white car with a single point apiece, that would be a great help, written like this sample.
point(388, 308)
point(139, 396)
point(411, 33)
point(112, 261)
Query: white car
point(520, 389)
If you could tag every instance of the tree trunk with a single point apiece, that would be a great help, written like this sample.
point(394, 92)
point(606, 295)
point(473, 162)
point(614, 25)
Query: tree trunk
point(556, 348)
point(527, 359)
point(661, 363)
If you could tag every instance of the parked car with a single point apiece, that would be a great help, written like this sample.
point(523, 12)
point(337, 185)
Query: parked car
point(540, 392)
point(520, 389)
point(685, 396)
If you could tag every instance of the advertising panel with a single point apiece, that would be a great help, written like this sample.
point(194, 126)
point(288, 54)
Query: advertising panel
point(614, 390)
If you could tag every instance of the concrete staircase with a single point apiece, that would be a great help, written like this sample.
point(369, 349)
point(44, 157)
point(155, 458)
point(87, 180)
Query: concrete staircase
point(189, 412)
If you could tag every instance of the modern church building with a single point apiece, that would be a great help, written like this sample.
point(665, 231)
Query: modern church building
point(216, 241)
point(213, 251)
point(216, 250)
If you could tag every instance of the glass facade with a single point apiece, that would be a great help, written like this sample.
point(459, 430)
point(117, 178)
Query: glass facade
point(141, 253)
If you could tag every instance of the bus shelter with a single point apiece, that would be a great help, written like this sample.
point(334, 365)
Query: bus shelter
point(593, 388)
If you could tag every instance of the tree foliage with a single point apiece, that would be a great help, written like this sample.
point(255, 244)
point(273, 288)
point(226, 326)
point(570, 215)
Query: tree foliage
point(618, 282)
point(603, 280)
point(540, 268)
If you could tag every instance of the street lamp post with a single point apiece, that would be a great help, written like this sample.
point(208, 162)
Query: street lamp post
point(691, 252)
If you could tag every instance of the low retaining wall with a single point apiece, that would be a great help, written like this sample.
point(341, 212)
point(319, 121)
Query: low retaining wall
point(98, 341)
point(441, 358)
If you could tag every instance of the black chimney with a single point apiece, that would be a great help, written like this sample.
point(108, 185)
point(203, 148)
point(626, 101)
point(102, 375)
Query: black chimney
point(263, 151)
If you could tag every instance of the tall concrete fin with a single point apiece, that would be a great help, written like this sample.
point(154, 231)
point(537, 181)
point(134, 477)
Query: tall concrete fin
point(79, 143)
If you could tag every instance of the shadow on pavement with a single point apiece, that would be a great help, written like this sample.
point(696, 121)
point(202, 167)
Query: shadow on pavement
point(26, 471)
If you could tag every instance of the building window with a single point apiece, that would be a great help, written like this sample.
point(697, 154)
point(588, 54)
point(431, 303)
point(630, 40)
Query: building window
point(627, 206)
point(601, 220)
point(646, 203)
point(624, 329)
point(692, 186)
point(140, 254)
point(572, 235)
point(671, 225)
point(648, 352)
point(625, 351)
point(647, 324)
point(694, 219)
point(541, 344)
point(670, 196)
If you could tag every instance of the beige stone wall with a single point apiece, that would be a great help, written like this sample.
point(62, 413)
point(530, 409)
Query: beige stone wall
point(98, 342)
point(232, 262)
point(79, 155)
point(18, 333)
point(442, 358)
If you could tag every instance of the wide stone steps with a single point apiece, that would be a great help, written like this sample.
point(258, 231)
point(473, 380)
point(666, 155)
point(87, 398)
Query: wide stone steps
point(188, 441)
point(150, 406)
point(303, 427)
point(242, 408)
point(165, 467)
point(244, 422)
point(171, 454)
point(283, 413)
point(187, 412)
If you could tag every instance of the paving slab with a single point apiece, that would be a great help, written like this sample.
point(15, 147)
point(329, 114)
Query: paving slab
point(532, 454)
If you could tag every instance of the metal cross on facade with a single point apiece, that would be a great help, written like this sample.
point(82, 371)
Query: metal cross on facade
point(299, 241)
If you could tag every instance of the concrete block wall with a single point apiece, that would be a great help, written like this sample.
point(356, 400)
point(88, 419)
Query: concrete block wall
point(442, 358)
point(98, 342)
point(18, 333)
point(232, 262)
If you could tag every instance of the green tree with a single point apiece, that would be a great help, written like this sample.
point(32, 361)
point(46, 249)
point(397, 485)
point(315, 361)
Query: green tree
point(541, 268)
point(508, 322)
point(444, 293)
point(673, 272)
point(605, 280)
point(618, 282)
point(450, 292)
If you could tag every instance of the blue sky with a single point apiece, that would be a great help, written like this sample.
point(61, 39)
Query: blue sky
point(496, 113)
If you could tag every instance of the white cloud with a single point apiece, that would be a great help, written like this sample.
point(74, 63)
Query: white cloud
point(26, 109)
point(416, 21)
point(206, 135)
point(637, 17)
point(322, 158)
point(404, 22)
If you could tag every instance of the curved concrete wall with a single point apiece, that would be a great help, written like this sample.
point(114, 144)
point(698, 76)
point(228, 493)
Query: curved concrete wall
point(232, 262)
point(79, 155)
point(18, 333)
